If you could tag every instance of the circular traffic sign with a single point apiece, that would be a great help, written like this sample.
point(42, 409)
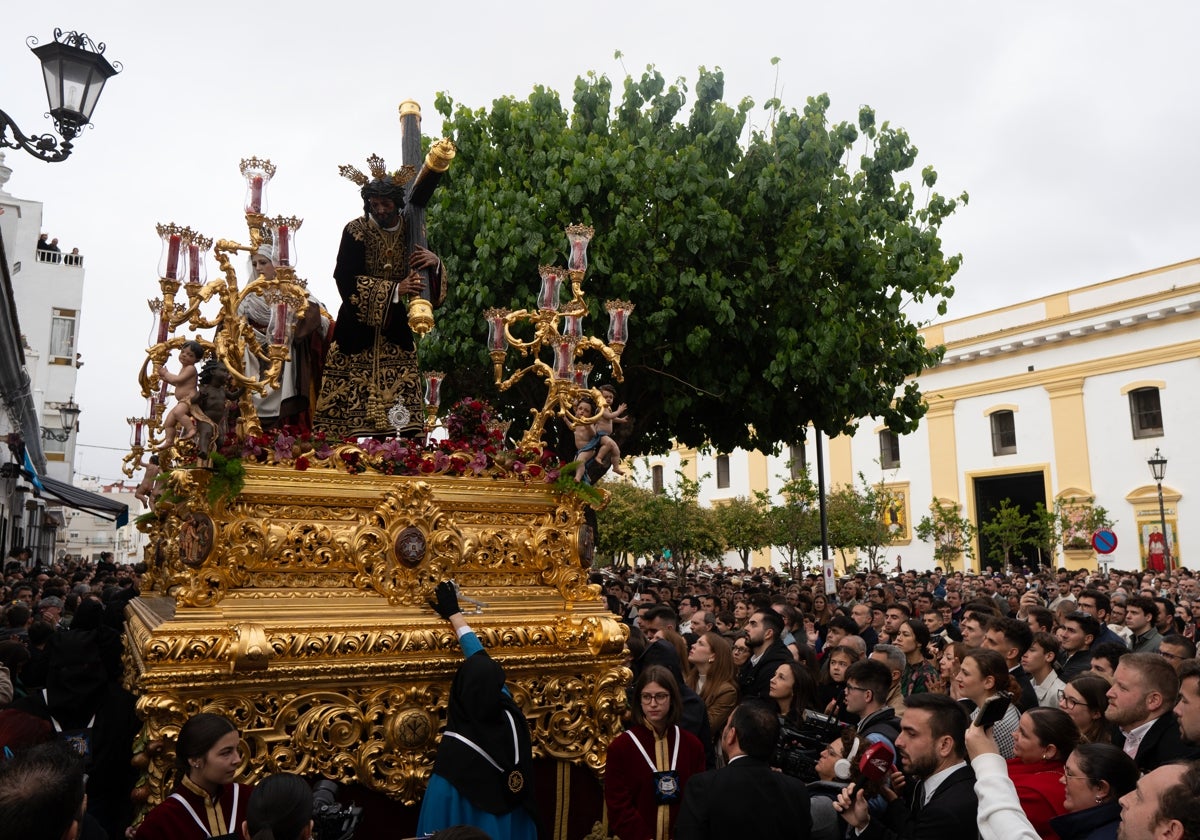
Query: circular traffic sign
point(1104, 541)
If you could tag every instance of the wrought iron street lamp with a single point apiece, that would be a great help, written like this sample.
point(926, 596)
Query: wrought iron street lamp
point(75, 70)
point(1158, 469)
point(68, 415)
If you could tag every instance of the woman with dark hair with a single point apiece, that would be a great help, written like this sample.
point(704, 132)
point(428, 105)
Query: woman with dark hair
point(483, 772)
point(1085, 699)
point(984, 675)
point(1096, 777)
point(649, 765)
point(948, 666)
point(206, 802)
point(739, 648)
point(793, 691)
point(1041, 744)
point(919, 673)
point(280, 808)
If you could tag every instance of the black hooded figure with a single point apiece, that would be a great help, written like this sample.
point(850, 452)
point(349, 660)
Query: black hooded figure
point(483, 773)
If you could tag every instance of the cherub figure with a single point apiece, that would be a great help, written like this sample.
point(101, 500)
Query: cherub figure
point(146, 491)
point(594, 440)
point(180, 417)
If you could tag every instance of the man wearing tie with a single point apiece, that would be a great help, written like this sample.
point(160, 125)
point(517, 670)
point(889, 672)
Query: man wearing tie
point(937, 799)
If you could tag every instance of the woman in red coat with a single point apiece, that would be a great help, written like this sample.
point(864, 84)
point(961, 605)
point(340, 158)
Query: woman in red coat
point(1044, 739)
point(649, 765)
point(207, 802)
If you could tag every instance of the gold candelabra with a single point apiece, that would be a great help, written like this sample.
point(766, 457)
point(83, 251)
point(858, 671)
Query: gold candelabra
point(566, 377)
point(182, 268)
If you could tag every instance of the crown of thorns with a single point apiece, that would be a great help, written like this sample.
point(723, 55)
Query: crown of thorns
point(379, 172)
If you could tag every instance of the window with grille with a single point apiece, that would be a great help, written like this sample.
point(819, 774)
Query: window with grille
point(722, 472)
point(1145, 411)
point(1004, 433)
point(797, 465)
point(889, 450)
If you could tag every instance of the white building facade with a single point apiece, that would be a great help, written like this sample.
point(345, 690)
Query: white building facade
point(1064, 397)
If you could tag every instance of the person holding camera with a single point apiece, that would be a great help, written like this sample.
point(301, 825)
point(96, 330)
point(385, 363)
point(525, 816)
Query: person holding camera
point(746, 797)
point(483, 773)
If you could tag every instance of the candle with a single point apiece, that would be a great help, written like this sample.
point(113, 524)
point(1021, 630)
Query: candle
point(193, 263)
point(137, 433)
point(162, 326)
point(256, 187)
point(574, 326)
point(279, 323)
point(577, 263)
point(434, 395)
point(173, 257)
point(285, 257)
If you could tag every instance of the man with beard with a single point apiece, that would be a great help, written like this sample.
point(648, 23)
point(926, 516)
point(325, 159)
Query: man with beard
point(1187, 710)
point(764, 632)
point(371, 367)
point(938, 799)
point(1143, 694)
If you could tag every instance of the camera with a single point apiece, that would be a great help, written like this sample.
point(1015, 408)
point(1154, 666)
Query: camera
point(800, 746)
point(331, 819)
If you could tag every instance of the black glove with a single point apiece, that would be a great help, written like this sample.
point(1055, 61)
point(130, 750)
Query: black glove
point(446, 604)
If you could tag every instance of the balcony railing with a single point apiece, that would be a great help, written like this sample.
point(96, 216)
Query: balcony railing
point(57, 258)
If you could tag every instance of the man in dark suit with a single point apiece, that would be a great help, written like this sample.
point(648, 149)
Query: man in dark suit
point(764, 633)
point(1140, 707)
point(938, 799)
point(746, 797)
point(1011, 637)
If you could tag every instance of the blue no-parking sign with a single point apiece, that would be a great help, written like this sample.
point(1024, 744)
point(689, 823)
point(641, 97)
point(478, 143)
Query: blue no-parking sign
point(1104, 541)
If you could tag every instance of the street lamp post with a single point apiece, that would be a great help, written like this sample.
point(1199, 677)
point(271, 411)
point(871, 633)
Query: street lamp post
point(1158, 468)
point(68, 416)
point(75, 70)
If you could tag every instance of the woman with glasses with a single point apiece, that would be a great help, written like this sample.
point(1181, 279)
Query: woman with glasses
point(1043, 741)
point(1085, 699)
point(831, 684)
point(739, 648)
point(1094, 776)
point(649, 765)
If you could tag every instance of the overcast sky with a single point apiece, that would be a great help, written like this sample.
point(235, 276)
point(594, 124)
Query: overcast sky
point(1073, 125)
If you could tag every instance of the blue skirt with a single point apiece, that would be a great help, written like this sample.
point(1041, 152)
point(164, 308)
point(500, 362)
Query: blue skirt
point(443, 806)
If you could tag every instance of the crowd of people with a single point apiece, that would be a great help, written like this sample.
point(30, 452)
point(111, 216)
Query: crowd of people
point(1049, 705)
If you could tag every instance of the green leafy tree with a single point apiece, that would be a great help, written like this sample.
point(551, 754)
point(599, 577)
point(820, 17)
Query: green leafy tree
point(688, 530)
point(1005, 530)
point(857, 522)
point(1044, 530)
point(742, 526)
point(799, 245)
point(626, 527)
point(951, 533)
point(794, 526)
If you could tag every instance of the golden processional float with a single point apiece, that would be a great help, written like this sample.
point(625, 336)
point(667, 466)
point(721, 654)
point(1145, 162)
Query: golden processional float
point(287, 582)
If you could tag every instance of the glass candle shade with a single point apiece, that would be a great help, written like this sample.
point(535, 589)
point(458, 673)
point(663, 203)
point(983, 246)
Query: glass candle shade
point(581, 374)
point(578, 237)
point(258, 174)
point(197, 251)
point(283, 316)
point(171, 257)
point(136, 425)
point(495, 321)
point(573, 326)
point(433, 388)
point(283, 234)
point(158, 324)
point(564, 355)
point(551, 291)
point(618, 321)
